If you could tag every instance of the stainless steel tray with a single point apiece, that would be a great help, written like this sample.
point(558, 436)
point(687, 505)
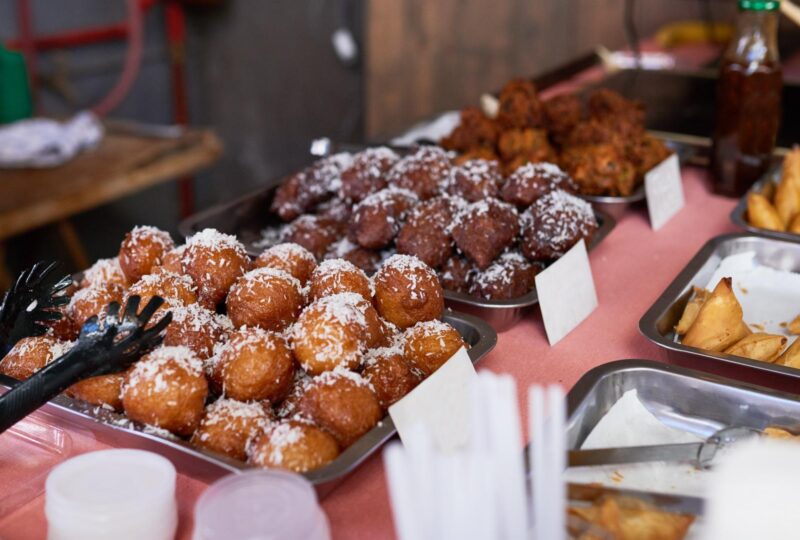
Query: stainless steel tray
point(739, 213)
point(659, 322)
point(114, 429)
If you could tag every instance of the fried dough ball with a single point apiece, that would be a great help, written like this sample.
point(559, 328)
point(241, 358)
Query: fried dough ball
point(288, 407)
point(425, 234)
point(91, 301)
point(214, 261)
point(474, 131)
point(265, 297)
point(198, 329)
point(103, 390)
point(365, 259)
point(390, 374)
point(378, 217)
point(302, 191)
point(600, 169)
point(407, 291)
point(142, 249)
point(520, 106)
point(342, 403)
point(483, 230)
point(176, 290)
point(475, 179)
point(229, 425)
point(104, 272)
point(293, 259)
point(337, 210)
point(166, 389)
point(510, 276)
point(336, 276)
point(172, 261)
point(64, 329)
point(315, 233)
point(562, 113)
point(482, 153)
point(522, 145)
point(294, 446)
point(429, 344)
point(30, 354)
point(533, 180)
point(367, 173)
point(555, 223)
point(455, 274)
point(253, 365)
point(422, 172)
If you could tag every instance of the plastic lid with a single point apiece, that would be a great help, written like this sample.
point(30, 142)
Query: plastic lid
point(759, 5)
point(260, 505)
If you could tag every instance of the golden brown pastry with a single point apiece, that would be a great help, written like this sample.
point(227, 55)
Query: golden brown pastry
point(197, 328)
point(229, 425)
point(214, 261)
point(31, 354)
point(142, 249)
point(265, 297)
point(103, 273)
point(293, 259)
point(761, 213)
point(691, 310)
point(336, 276)
point(408, 291)
point(390, 374)
point(428, 345)
point(103, 390)
point(92, 301)
point(294, 446)
point(719, 323)
point(759, 346)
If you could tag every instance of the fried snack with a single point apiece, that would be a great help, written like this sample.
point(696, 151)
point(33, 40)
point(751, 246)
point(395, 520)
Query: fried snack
point(554, 223)
point(791, 356)
point(761, 213)
point(428, 345)
point(691, 310)
point(30, 354)
point(265, 297)
point(103, 390)
point(166, 389)
point(475, 133)
point(645, 152)
point(794, 226)
point(519, 106)
point(377, 219)
point(561, 114)
point(293, 259)
point(592, 132)
point(288, 407)
point(342, 403)
point(366, 174)
point(519, 146)
point(294, 446)
point(103, 273)
point(483, 230)
point(422, 172)
point(336, 276)
point(198, 329)
point(719, 322)
point(390, 374)
point(759, 346)
point(172, 261)
point(302, 191)
point(407, 291)
point(253, 365)
point(176, 290)
point(474, 180)
point(425, 234)
point(627, 518)
point(64, 329)
point(772, 432)
point(484, 153)
point(229, 425)
point(337, 209)
point(142, 249)
point(509, 276)
point(456, 273)
point(600, 169)
point(787, 200)
point(332, 332)
point(609, 106)
point(533, 180)
point(365, 259)
point(794, 326)
point(91, 301)
point(791, 167)
point(214, 261)
point(315, 233)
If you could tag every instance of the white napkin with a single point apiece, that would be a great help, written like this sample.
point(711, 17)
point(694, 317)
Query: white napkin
point(41, 142)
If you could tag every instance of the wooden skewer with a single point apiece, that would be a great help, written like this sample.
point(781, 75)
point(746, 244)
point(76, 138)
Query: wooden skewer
point(791, 10)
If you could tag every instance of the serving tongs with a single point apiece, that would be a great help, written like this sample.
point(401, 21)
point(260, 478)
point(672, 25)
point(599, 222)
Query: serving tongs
point(104, 346)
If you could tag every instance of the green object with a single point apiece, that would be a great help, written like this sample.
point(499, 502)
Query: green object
point(15, 94)
point(759, 5)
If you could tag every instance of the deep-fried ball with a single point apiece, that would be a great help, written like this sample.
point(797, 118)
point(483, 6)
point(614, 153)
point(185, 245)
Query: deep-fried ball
point(229, 425)
point(482, 153)
point(483, 230)
point(172, 261)
point(562, 113)
point(294, 446)
point(64, 328)
point(253, 365)
point(31, 354)
point(166, 389)
point(475, 132)
point(288, 406)
point(533, 180)
point(422, 172)
point(456, 273)
point(265, 297)
point(519, 146)
point(428, 345)
point(176, 290)
point(338, 276)
point(91, 301)
point(365, 259)
point(407, 291)
point(554, 223)
point(475, 180)
point(367, 173)
point(520, 106)
point(426, 232)
point(293, 259)
point(600, 169)
point(315, 233)
point(104, 272)
point(342, 403)
point(142, 249)
point(509, 276)
point(301, 191)
point(197, 328)
point(338, 210)
point(390, 374)
point(103, 390)
point(214, 261)
point(378, 217)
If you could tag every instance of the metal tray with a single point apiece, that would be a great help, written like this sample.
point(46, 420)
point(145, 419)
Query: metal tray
point(739, 213)
point(247, 216)
point(115, 429)
point(659, 322)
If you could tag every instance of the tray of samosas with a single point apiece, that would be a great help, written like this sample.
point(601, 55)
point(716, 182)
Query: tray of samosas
point(772, 206)
point(737, 302)
point(486, 235)
point(278, 362)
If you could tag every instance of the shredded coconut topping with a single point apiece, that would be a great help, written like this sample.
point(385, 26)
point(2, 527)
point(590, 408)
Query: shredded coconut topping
point(162, 364)
point(289, 250)
point(104, 271)
point(151, 234)
point(215, 241)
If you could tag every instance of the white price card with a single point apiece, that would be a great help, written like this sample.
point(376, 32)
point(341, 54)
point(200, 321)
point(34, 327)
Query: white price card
point(566, 293)
point(440, 403)
point(664, 190)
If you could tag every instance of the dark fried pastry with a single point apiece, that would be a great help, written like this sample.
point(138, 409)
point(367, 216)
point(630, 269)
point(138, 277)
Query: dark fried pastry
point(366, 173)
point(302, 191)
point(600, 169)
point(483, 230)
point(608, 105)
point(422, 172)
point(475, 180)
point(367, 260)
point(425, 233)
point(646, 152)
point(562, 113)
point(315, 233)
point(509, 276)
point(520, 106)
point(555, 223)
point(336, 209)
point(487, 154)
point(456, 273)
point(523, 145)
point(533, 180)
point(594, 131)
point(377, 219)
point(475, 131)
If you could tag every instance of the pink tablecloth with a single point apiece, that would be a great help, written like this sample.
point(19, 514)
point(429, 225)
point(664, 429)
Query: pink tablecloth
point(631, 268)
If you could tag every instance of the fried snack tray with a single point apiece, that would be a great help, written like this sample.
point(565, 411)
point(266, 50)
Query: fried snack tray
point(739, 213)
point(247, 216)
point(658, 323)
point(114, 429)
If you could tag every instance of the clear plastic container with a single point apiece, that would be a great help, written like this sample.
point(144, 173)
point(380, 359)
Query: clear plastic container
point(260, 505)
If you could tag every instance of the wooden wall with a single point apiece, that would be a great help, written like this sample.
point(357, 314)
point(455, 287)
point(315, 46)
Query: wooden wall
point(425, 56)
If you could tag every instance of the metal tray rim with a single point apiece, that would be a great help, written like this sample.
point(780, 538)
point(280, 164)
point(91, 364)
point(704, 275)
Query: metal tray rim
point(739, 212)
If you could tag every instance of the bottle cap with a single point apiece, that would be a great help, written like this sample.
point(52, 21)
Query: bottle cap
point(759, 5)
